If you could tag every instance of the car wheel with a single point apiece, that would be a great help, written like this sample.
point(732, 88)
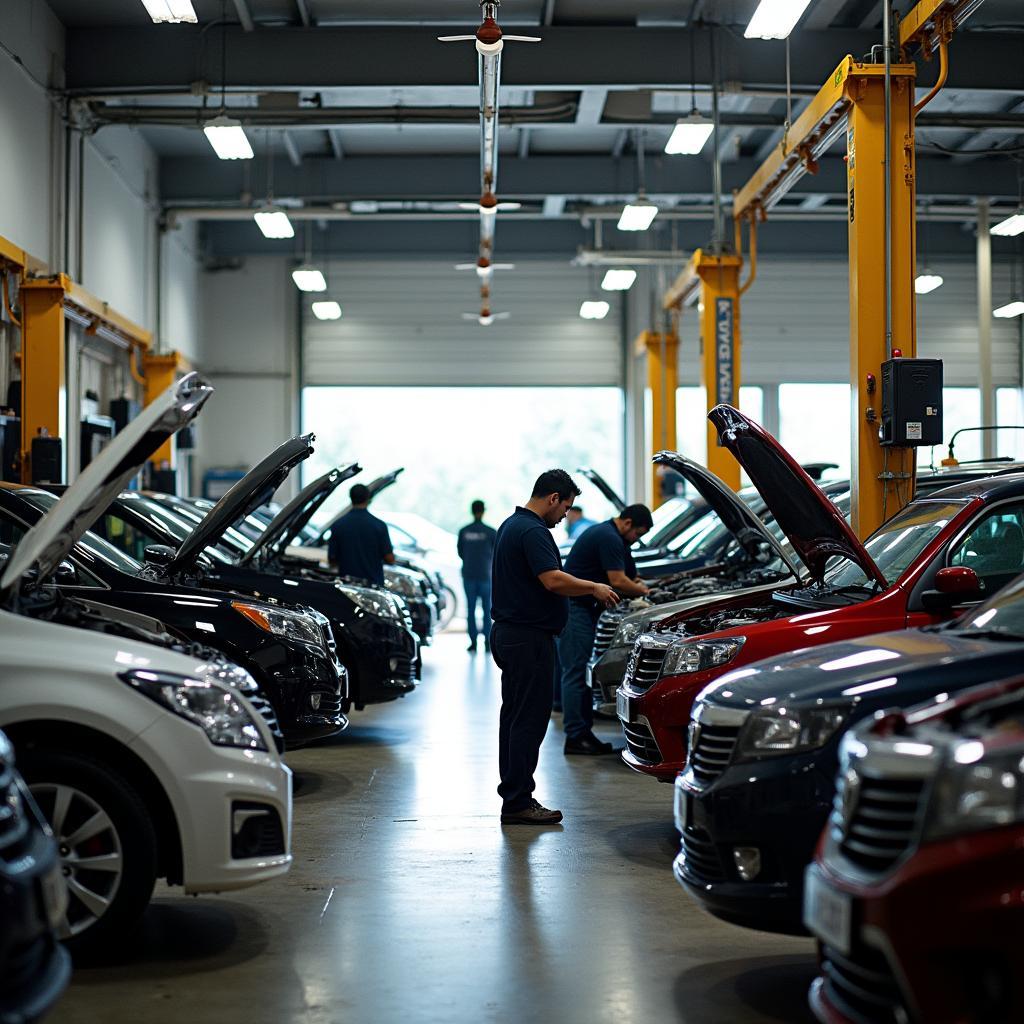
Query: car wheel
point(106, 842)
point(448, 613)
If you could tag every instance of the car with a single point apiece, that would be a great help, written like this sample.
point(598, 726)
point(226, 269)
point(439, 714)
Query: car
point(147, 763)
point(372, 628)
point(891, 581)
point(764, 741)
point(34, 967)
point(914, 895)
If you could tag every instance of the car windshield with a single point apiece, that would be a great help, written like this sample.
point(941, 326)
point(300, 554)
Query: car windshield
point(1002, 615)
point(664, 517)
point(177, 526)
point(197, 513)
point(895, 545)
point(709, 533)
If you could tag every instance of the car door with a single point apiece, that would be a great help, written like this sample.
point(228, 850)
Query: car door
point(993, 547)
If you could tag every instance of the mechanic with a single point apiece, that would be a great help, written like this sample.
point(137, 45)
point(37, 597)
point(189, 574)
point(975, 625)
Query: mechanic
point(602, 555)
point(530, 606)
point(360, 545)
point(476, 548)
point(576, 522)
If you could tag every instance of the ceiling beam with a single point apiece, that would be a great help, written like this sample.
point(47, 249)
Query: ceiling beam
point(334, 138)
point(304, 15)
point(244, 15)
point(291, 148)
point(548, 17)
point(122, 59)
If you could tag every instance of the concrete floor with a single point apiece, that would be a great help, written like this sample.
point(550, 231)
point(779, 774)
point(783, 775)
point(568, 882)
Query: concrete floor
point(409, 902)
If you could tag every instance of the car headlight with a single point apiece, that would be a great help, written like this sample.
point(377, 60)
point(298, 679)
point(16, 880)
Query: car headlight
point(626, 634)
point(227, 673)
point(403, 585)
point(374, 602)
point(220, 712)
point(779, 730)
point(280, 622)
point(969, 797)
point(698, 655)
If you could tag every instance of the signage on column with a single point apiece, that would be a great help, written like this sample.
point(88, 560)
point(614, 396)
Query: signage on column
point(724, 350)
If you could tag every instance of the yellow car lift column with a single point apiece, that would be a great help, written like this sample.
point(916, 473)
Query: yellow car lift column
point(160, 372)
point(662, 351)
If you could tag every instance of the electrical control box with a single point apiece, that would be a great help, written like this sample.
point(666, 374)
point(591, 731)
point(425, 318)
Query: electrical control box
point(911, 403)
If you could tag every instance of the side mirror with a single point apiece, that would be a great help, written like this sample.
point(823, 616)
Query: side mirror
point(66, 574)
point(954, 585)
point(159, 554)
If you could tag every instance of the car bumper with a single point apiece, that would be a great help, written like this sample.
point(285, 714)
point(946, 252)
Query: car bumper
point(233, 807)
point(654, 725)
point(383, 667)
point(937, 938)
point(605, 676)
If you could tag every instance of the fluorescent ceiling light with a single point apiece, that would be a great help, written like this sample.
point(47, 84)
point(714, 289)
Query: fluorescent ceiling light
point(594, 310)
point(228, 139)
point(274, 223)
point(775, 19)
point(1013, 225)
point(1011, 309)
point(637, 216)
point(926, 283)
point(618, 280)
point(170, 11)
point(309, 279)
point(689, 135)
point(327, 310)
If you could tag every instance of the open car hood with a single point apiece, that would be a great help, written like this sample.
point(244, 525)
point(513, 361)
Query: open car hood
point(381, 483)
point(287, 524)
point(604, 487)
point(737, 516)
point(53, 537)
point(814, 526)
point(253, 490)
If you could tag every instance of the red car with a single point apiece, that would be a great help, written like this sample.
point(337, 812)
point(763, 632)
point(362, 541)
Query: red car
point(913, 571)
point(916, 895)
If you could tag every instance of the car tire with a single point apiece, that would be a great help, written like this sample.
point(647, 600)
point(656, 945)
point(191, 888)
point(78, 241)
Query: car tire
point(106, 841)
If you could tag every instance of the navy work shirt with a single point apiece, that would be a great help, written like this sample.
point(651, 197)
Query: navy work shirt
point(523, 549)
point(359, 541)
point(597, 552)
point(476, 547)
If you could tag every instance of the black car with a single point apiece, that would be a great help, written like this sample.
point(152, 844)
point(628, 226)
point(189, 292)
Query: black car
point(764, 743)
point(372, 628)
point(289, 651)
point(34, 966)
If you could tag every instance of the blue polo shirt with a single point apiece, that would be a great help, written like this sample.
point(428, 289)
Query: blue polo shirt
point(359, 541)
point(523, 549)
point(476, 547)
point(597, 552)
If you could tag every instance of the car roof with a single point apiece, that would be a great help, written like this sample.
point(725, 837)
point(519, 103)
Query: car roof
point(991, 488)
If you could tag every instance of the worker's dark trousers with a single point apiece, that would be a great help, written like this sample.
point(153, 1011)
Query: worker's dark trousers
point(574, 649)
point(526, 658)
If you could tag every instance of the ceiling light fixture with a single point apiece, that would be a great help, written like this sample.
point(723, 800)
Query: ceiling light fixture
point(593, 309)
point(638, 215)
point(618, 280)
point(689, 135)
point(170, 11)
point(775, 19)
point(274, 223)
point(1011, 227)
point(228, 139)
point(925, 283)
point(327, 310)
point(1010, 310)
point(309, 279)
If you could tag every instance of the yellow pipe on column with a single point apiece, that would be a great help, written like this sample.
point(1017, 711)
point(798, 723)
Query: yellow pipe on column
point(160, 372)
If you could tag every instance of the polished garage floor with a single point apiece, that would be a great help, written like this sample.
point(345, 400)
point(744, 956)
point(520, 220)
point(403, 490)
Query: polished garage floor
point(408, 901)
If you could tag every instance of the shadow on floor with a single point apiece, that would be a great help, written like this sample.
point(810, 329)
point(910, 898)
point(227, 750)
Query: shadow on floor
point(773, 987)
point(363, 736)
point(314, 786)
point(653, 844)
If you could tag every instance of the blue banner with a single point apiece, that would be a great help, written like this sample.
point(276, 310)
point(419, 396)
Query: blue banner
point(724, 350)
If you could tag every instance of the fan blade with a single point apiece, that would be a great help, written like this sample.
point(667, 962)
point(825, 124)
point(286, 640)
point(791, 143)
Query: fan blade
point(456, 39)
point(509, 206)
point(465, 266)
point(470, 316)
point(521, 39)
point(503, 266)
point(500, 316)
point(468, 206)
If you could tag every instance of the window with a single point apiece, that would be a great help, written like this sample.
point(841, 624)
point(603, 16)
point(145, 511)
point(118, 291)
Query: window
point(994, 548)
point(961, 407)
point(1010, 412)
point(814, 423)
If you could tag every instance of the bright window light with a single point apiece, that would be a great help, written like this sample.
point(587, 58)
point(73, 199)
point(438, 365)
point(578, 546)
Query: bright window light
point(594, 309)
point(775, 19)
point(637, 216)
point(170, 11)
point(618, 280)
point(1013, 225)
point(327, 310)
point(1010, 310)
point(274, 223)
point(689, 135)
point(926, 283)
point(228, 139)
point(309, 279)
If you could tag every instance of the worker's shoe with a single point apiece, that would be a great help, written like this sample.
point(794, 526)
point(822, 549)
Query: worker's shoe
point(587, 744)
point(472, 647)
point(534, 814)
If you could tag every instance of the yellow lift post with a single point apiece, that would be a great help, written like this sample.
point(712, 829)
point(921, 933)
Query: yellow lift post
point(662, 351)
point(160, 372)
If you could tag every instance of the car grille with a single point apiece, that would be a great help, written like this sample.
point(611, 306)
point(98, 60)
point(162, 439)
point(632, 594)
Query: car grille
point(607, 625)
point(266, 711)
point(862, 986)
point(713, 751)
point(880, 823)
point(700, 857)
point(644, 668)
point(641, 743)
point(404, 668)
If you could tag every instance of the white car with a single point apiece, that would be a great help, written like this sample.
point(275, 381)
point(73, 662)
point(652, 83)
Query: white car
point(148, 763)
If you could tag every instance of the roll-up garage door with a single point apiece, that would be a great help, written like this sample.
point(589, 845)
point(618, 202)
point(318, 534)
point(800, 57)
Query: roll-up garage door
point(402, 325)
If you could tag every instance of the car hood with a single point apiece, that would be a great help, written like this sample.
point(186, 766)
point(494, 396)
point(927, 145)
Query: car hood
point(604, 487)
point(253, 490)
point(50, 540)
point(745, 526)
point(869, 667)
point(285, 526)
point(815, 528)
point(381, 483)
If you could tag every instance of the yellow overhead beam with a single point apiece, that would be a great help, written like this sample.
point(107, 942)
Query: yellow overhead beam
point(926, 24)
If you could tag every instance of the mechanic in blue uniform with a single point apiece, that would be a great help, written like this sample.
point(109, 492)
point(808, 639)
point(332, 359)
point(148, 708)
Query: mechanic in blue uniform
point(360, 545)
point(601, 554)
point(476, 548)
point(530, 606)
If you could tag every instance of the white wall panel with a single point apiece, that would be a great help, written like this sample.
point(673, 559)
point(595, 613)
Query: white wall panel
point(402, 325)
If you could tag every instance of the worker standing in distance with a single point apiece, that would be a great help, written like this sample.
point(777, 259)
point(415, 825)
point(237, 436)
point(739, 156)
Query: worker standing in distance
point(530, 598)
point(476, 548)
point(575, 523)
point(360, 545)
point(600, 554)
